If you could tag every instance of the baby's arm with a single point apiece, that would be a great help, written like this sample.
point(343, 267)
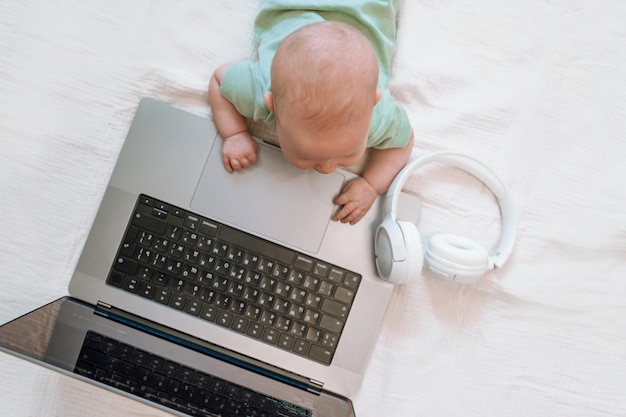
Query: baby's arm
point(358, 195)
point(239, 150)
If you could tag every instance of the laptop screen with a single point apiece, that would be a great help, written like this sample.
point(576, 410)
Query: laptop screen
point(67, 336)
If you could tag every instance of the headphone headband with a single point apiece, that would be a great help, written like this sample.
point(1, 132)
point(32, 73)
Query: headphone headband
point(478, 170)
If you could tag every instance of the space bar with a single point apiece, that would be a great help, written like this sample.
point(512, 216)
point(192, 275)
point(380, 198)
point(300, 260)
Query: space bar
point(256, 244)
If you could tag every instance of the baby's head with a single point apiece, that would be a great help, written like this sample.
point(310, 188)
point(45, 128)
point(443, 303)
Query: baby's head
point(324, 88)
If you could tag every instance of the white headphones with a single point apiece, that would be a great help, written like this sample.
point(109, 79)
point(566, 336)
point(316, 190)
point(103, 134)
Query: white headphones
point(398, 246)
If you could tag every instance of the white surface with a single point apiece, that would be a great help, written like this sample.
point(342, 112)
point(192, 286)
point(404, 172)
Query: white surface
point(534, 89)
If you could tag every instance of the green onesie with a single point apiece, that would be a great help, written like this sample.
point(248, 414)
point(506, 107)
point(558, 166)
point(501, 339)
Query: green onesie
point(245, 82)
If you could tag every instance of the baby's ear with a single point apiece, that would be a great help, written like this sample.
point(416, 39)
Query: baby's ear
point(268, 97)
point(377, 96)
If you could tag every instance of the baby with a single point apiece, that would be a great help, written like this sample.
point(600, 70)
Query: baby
point(321, 78)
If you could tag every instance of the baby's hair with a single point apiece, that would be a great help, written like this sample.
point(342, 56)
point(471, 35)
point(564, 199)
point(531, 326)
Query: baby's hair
point(325, 73)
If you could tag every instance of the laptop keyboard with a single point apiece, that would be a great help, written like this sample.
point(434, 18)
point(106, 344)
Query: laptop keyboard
point(238, 281)
point(173, 385)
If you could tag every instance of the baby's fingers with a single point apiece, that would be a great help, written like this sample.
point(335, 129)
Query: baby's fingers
point(250, 159)
point(236, 164)
point(227, 164)
point(233, 164)
point(349, 213)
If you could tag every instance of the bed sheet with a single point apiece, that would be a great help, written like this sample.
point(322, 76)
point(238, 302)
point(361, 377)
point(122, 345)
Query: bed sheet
point(535, 89)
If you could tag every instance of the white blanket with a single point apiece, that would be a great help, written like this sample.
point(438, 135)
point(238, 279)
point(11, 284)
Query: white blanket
point(535, 89)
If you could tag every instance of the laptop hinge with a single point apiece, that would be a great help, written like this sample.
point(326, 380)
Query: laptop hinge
point(316, 387)
point(104, 305)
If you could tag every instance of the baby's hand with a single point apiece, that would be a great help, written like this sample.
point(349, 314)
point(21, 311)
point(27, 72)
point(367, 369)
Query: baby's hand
point(239, 152)
point(356, 198)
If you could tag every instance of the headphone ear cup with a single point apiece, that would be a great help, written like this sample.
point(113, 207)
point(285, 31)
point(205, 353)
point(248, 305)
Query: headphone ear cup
point(414, 253)
point(398, 249)
point(456, 258)
point(387, 233)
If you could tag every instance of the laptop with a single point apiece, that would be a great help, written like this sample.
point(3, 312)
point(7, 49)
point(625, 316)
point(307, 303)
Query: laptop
point(214, 294)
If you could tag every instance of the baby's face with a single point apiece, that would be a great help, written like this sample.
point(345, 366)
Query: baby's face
point(323, 151)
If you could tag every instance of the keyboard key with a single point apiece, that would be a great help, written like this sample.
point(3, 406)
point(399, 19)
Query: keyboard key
point(170, 368)
point(331, 324)
point(159, 213)
point(345, 295)
point(286, 341)
point(281, 271)
point(301, 347)
point(311, 316)
point(140, 357)
point(352, 280)
point(193, 307)
point(321, 354)
point(131, 285)
point(163, 296)
point(116, 279)
point(224, 318)
point(320, 269)
point(326, 288)
point(192, 222)
point(178, 301)
point(335, 308)
point(126, 266)
point(314, 335)
point(208, 227)
point(336, 275)
point(146, 201)
point(240, 324)
point(329, 340)
point(311, 282)
point(147, 290)
point(298, 329)
point(208, 313)
point(303, 263)
point(148, 222)
point(270, 335)
point(255, 330)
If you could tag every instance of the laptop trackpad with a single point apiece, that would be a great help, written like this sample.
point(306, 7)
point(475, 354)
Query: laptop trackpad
point(271, 199)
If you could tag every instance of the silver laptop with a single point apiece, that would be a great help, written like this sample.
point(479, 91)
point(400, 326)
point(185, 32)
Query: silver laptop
point(208, 293)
